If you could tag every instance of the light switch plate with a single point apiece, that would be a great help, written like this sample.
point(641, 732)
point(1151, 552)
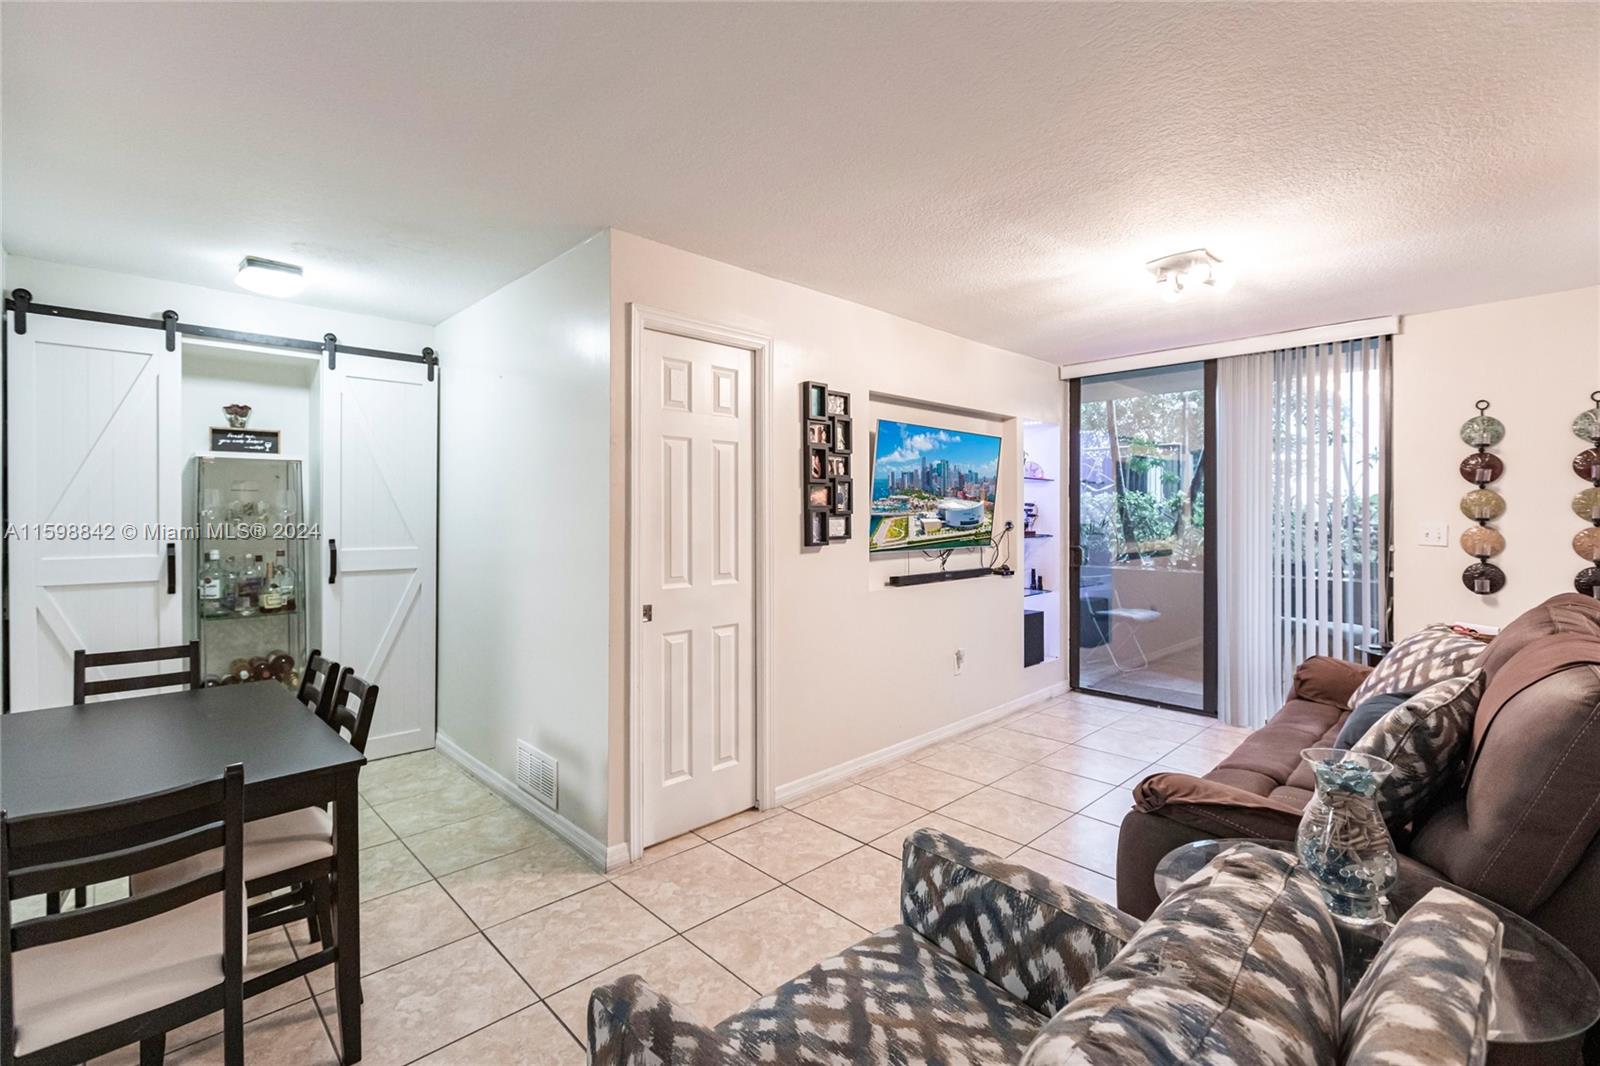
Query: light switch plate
point(1434, 535)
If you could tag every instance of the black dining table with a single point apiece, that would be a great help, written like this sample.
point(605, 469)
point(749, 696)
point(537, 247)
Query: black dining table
point(61, 758)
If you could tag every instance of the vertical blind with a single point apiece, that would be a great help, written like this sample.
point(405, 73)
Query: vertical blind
point(1303, 498)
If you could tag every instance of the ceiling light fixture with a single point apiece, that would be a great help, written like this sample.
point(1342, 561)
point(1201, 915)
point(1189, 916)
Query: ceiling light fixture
point(1191, 271)
point(269, 277)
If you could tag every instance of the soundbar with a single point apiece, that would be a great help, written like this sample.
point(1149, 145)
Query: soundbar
point(932, 577)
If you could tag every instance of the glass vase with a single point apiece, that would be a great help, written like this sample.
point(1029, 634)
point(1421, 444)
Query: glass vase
point(1343, 840)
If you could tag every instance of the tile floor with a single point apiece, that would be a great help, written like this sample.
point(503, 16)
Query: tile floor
point(483, 932)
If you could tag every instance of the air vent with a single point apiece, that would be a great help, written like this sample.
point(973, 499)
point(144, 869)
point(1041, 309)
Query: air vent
point(536, 773)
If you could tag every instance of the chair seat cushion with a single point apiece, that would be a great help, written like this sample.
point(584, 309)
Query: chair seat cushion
point(77, 986)
point(271, 845)
point(892, 998)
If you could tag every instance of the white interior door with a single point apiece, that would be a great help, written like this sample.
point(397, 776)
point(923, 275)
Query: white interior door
point(94, 498)
point(379, 468)
point(697, 574)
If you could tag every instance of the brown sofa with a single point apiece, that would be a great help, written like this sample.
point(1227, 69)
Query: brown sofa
point(1523, 828)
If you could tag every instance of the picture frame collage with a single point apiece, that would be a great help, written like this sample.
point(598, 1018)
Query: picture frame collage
point(827, 449)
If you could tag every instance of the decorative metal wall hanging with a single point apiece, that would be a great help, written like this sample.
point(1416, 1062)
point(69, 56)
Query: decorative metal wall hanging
point(825, 464)
point(1483, 504)
point(1586, 504)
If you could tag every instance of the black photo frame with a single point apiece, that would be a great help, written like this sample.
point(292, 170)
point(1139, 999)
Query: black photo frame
point(838, 527)
point(819, 496)
point(816, 399)
point(816, 464)
point(837, 466)
point(839, 496)
point(841, 435)
point(816, 528)
point(838, 404)
point(819, 432)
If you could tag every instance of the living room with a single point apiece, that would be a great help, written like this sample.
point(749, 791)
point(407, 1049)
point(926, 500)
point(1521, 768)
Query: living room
point(818, 531)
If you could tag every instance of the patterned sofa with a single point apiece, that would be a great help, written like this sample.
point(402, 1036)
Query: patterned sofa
point(996, 964)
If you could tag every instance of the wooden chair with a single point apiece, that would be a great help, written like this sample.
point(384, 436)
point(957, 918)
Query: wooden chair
point(77, 985)
point(83, 662)
point(293, 851)
point(83, 688)
point(317, 683)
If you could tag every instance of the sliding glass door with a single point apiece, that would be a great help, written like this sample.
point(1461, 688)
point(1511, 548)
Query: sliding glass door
point(1142, 579)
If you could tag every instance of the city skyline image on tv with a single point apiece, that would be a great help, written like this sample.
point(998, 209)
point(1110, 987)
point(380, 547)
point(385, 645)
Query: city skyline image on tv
point(932, 488)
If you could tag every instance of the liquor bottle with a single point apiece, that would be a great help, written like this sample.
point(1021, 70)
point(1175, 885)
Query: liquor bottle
point(211, 605)
point(249, 586)
point(272, 599)
point(230, 586)
point(284, 578)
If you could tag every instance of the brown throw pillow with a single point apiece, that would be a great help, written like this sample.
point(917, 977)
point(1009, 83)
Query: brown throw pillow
point(1433, 653)
point(1427, 739)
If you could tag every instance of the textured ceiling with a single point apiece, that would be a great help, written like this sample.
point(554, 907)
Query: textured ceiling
point(999, 171)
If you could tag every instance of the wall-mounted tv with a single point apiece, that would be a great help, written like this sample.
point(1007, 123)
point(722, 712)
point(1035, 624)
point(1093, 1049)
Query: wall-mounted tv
point(932, 488)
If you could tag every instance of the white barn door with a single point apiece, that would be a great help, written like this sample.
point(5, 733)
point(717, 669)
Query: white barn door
point(379, 466)
point(95, 464)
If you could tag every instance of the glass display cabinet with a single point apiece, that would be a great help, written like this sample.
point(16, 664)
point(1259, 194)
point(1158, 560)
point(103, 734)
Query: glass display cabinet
point(250, 602)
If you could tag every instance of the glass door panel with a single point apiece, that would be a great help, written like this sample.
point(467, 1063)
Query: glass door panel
point(1140, 577)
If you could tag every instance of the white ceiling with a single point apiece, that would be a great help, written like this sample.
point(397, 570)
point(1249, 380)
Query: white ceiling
point(999, 171)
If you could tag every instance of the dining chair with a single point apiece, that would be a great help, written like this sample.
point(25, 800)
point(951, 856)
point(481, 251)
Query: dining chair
point(288, 858)
point(84, 661)
point(317, 683)
point(77, 985)
point(82, 688)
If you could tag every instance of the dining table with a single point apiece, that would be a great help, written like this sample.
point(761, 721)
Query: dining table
point(63, 758)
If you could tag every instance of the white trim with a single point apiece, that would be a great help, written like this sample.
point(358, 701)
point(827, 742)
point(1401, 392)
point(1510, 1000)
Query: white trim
point(1339, 331)
point(834, 774)
point(591, 848)
point(640, 318)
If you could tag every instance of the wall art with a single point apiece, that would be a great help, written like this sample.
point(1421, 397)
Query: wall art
point(1482, 504)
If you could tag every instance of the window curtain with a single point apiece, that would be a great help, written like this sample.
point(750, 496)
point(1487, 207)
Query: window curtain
point(1303, 536)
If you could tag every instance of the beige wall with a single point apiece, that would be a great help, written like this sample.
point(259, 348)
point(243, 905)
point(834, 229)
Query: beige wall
point(857, 666)
point(1535, 360)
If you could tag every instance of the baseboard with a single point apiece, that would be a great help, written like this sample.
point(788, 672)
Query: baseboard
point(596, 852)
point(788, 793)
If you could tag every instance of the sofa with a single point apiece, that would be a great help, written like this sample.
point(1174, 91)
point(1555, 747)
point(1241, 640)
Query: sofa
point(993, 963)
point(1521, 829)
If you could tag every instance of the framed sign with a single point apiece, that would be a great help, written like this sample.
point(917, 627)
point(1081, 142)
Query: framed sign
point(249, 441)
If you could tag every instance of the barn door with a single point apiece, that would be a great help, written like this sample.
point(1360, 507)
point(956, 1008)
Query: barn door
point(94, 498)
point(379, 526)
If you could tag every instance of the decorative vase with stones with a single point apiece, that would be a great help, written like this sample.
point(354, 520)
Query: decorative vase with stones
point(1343, 841)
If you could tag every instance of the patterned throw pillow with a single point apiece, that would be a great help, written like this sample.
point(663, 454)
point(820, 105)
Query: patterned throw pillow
point(1426, 998)
point(1432, 653)
point(1238, 967)
point(1426, 738)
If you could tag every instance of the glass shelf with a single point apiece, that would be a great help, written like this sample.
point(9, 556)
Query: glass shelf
point(1036, 592)
point(247, 617)
point(1037, 536)
point(1040, 479)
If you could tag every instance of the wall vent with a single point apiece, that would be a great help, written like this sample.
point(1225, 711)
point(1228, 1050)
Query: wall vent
point(536, 773)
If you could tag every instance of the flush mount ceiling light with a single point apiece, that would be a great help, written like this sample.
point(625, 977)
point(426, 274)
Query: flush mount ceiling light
point(1193, 271)
point(269, 277)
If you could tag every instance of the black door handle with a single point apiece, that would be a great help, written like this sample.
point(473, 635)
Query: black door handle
point(333, 560)
point(172, 568)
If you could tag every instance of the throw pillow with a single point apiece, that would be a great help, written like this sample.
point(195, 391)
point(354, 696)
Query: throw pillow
point(1426, 738)
point(1427, 996)
point(1367, 715)
point(1240, 965)
point(1431, 654)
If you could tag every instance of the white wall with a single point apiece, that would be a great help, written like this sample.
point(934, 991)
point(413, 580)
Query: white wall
point(1535, 360)
point(523, 519)
point(857, 666)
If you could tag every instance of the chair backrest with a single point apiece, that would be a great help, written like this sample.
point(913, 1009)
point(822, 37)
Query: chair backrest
point(317, 682)
point(355, 720)
point(49, 853)
point(83, 662)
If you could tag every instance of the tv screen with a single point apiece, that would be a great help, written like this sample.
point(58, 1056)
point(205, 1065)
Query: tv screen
point(932, 488)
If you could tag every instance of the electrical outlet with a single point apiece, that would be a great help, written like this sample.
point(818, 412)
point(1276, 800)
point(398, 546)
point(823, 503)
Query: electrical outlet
point(961, 659)
point(1434, 535)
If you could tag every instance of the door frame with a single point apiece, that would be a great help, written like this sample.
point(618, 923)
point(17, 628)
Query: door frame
point(642, 317)
point(1208, 474)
